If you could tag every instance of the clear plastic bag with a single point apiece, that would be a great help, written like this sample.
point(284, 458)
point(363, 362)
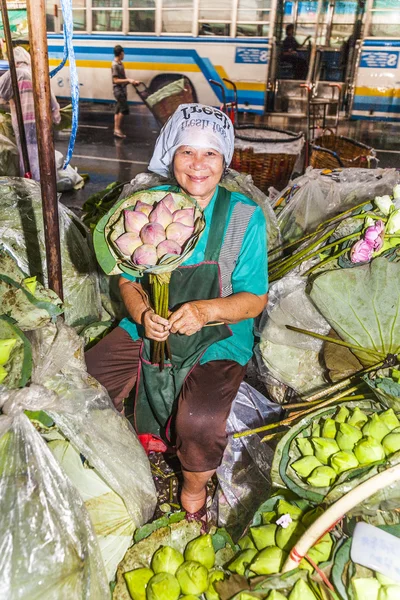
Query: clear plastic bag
point(67, 178)
point(243, 475)
point(48, 548)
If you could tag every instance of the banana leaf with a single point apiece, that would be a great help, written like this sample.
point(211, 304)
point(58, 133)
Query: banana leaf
point(344, 569)
point(19, 365)
point(363, 306)
point(287, 452)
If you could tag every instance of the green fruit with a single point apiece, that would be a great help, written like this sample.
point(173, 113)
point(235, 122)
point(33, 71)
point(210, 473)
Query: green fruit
point(365, 588)
point(343, 461)
point(246, 543)
point(275, 595)
point(263, 536)
point(268, 561)
point(268, 517)
point(324, 448)
point(211, 593)
point(342, 415)
point(241, 561)
point(322, 477)
point(357, 418)
point(391, 443)
point(329, 429)
point(389, 418)
point(306, 465)
point(301, 591)
point(201, 550)
point(287, 537)
point(368, 451)
point(285, 508)
point(305, 446)
point(193, 578)
point(163, 586)
point(136, 582)
point(348, 436)
point(375, 428)
point(321, 552)
point(312, 515)
point(166, 560)
point(190, 597)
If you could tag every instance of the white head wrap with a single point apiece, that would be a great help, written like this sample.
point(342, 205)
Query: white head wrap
point(21, 56)
point(193, 125)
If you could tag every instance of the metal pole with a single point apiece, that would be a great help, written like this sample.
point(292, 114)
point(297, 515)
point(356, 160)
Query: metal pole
point(44, 132)
point(14, 83)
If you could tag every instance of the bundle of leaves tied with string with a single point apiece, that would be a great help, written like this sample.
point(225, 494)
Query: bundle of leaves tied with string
point(149, 233)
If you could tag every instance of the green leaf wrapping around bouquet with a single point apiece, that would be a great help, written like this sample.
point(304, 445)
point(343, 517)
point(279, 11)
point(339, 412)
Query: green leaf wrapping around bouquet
point(19, 364)
point(363, 306)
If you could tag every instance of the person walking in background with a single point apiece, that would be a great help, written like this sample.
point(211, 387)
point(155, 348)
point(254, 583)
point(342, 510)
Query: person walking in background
point(25, 86)
point(120, 82)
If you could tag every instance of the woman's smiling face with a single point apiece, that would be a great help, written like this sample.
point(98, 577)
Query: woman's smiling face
point(198, 171)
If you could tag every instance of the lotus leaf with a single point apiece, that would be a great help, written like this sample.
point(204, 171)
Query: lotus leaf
point(268, 517)
point(246, 543)
point(363, 307)
point(137, 581)
point(347, 436)
point(305, 446)
point(342, 415)
point(391, 443)
point(357, 419)
point(242, 560)
point(286, 537)
point(365, 588)
point(375, 428)
point(301, 591)
point(322, 477)
point(166, 560)
point(324, 448)
point(163, 586)
point(268, 561)
point(343, 461)
point(211, 593)
point(306, 465)
point(329, 429)
point(286, 508)
point(386, 389)
point(201, 550)
point(264, 535)
point(368, 451)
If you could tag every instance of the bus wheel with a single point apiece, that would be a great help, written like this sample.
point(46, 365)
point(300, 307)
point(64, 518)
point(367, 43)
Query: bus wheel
point(162, 80)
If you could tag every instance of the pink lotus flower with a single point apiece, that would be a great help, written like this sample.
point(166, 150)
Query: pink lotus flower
point(179, 233)
point(152, 233)
point(185, 216)
point(134, 221)
point(170, 202)
point(374, 235)
point(145, 255)
point(128, 242)
point(143, 208)
point(168, 247)
point(361, 252)
point(161, 214)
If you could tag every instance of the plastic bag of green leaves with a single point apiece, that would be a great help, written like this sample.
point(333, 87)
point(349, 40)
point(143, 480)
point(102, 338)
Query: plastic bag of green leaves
point(332, 450)
point(355, 582)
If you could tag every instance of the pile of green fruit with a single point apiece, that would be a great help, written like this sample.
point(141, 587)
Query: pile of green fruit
point(375, 588)
point(300, 591)
point(348, 440)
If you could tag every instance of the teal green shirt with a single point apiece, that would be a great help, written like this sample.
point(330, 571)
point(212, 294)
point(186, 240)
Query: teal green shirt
point(250, 275)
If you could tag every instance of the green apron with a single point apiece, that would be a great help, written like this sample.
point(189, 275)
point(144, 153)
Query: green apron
point(157, 391)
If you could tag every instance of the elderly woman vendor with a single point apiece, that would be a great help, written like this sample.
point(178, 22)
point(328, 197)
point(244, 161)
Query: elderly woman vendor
point(224, 281)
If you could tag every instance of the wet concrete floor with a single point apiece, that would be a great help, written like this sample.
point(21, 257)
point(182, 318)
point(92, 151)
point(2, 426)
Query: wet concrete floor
point(106, 159)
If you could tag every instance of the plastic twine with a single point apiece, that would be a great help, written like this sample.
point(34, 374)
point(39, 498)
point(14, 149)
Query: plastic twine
point(64, 59)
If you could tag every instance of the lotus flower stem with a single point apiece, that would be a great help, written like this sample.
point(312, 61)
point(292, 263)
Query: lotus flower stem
point(327, 260)
point(316, 402)
point(301, 253)
point(327, 338)
point(343, 214)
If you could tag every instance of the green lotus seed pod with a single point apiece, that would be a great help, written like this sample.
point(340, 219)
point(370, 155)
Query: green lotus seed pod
point(312, 515)
point(365, 588)
point(285, 508)
point(322, 477)
point(306, 465)
point(213, 576)
point(241, 561)
point(389, 592)
point(347, 436)
point(375, 428)
point(246, 542)
point(329, 429)
point(275, 595)
point(324, 448)
point(383, 580)
point(136, 582)
point(305, 446)
point(357, 418)
point(389, 418)
point(263, 536)
point(166, 560)
point(286, 537)
point(268, 561)
point(201, 550)
point(301, 591)
point(321, 552)
point(268, 517)
point(163, 586)
point(391, 443)
point(368, 450)
point(342, 415)
point(343, 461)
point(193, 578)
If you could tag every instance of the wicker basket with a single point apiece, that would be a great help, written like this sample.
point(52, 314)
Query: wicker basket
point(332, 151)
point(266, 168)
point(167, 106)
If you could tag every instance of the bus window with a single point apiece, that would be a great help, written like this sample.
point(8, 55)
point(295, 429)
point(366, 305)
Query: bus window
point(142, 16)
point(177, 16)
point(52, 12)
point(385, 19)
point(215, 17)
point(253, 18)
point(107, 15)
point(343, 22)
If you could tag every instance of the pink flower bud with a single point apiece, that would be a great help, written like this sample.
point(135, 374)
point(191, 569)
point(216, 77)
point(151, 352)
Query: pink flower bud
point(179, 233)
point(168, 247)
point(143, 208)
point(152, 233)
point(361, 252)
point(170, 202)
point(161, 214)
point(134, 221)
point(145, 255)
point(374, 235)
point(185, 216)
point(128, 242)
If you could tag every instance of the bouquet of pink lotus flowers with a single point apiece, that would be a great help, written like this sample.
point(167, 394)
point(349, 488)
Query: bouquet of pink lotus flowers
point(151, 232)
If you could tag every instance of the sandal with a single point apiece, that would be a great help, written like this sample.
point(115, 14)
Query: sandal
point(119, 135)
point(200, 516)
